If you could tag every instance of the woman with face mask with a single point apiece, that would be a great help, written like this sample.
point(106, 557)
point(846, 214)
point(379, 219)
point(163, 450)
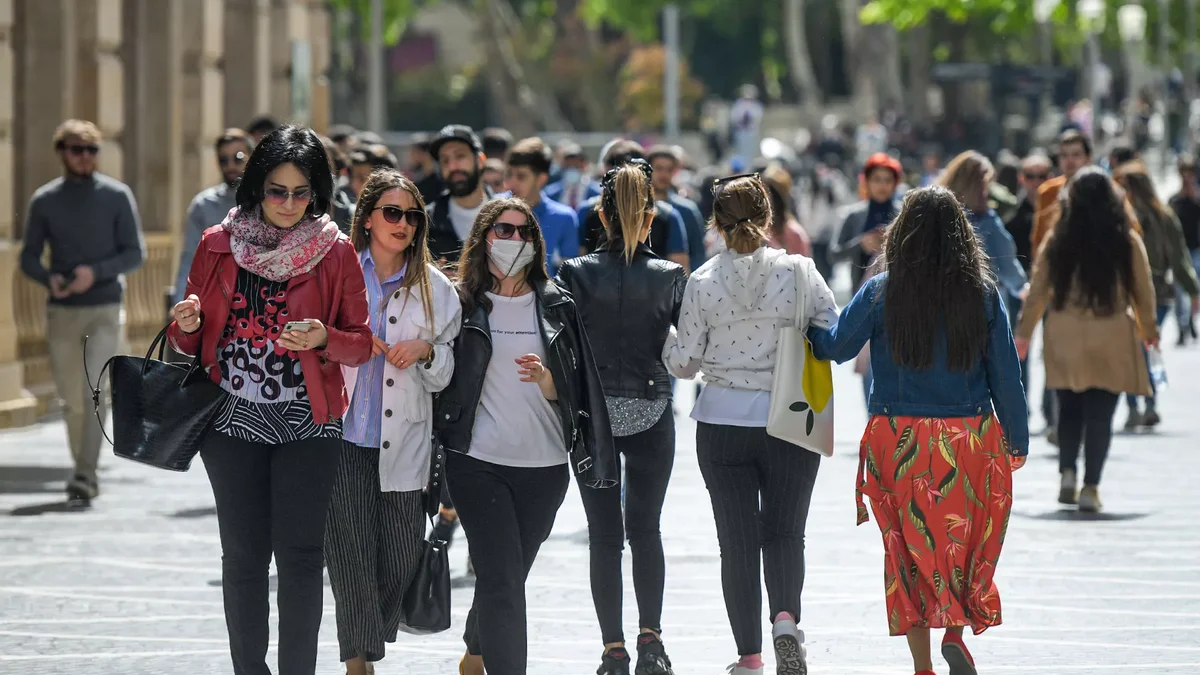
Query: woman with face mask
point(524, 409)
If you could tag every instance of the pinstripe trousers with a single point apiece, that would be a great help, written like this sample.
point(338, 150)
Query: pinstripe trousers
point(373, 544)
point(760, 489)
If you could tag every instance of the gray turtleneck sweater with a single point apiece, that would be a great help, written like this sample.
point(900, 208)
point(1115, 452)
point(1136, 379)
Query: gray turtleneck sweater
point(85, 221)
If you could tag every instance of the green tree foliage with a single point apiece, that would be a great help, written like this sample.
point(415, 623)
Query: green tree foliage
point(396, 15)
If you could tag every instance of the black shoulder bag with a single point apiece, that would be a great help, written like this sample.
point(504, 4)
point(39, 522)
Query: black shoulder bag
point(161, 411)
point(425, 608)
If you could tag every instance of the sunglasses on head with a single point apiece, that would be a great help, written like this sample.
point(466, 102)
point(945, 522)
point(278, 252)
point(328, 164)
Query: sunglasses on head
point(234, 160)
point(720, 183)
point(277, 195)
point(83, 149)
point(395, 214)
point(508, 230)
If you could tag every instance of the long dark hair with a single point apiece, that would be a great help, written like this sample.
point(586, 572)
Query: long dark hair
point(938, 280)
point(1091, 246)
point(419, 260)
point(475, 277)
point(296, 145)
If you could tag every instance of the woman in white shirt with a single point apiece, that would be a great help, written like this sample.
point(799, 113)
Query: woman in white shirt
point(373, 540)
point(732, 311)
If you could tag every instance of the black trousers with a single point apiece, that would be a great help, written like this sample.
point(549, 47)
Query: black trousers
point(649, 457)
point(272, 499)
point(1085, 418)
point(760, 488)
point(507, 513)
point(373, 545)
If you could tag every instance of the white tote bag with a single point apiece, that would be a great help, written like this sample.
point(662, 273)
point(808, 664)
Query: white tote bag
point(801, 386)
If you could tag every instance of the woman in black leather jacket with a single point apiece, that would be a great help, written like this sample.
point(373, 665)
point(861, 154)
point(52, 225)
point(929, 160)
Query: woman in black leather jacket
point(628, 298)
point(525, 402)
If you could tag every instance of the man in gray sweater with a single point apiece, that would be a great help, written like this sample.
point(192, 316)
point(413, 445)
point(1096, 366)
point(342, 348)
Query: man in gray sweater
point(90, 221)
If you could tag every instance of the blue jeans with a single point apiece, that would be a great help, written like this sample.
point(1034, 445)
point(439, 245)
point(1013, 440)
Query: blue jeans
point(1132, 400)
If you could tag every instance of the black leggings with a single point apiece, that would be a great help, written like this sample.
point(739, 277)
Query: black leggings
point(649, 457)
point(1085, 418)
point(760, 488)
point(272, 498)
point(507, 513)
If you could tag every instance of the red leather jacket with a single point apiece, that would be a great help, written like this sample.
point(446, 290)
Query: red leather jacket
point(334, 293)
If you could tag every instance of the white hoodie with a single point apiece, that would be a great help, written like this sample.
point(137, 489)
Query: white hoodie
point(732, 311)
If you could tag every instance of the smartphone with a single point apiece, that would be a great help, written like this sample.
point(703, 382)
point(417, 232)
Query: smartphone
point(297, 326)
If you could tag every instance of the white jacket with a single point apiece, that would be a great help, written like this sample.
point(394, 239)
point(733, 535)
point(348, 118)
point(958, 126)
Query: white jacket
point(732, 311)
point(407, 421)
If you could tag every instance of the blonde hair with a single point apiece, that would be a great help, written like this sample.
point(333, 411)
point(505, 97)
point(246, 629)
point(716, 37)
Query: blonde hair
point(627, 197)
point(84, 130)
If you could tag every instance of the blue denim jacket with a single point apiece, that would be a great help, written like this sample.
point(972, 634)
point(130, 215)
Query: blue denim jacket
point(936, 392)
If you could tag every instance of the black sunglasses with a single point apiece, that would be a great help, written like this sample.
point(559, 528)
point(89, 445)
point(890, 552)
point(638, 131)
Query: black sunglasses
point(83, 149)
point(507, 230)
point(235, 160)
point(720, 183)
point(395, 214)
point(1036, 176)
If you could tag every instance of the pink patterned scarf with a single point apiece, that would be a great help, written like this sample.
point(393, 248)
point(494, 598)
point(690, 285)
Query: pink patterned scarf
point(275, 253)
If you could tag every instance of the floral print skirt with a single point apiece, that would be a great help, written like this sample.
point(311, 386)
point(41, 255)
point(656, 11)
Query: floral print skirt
point(941, 492)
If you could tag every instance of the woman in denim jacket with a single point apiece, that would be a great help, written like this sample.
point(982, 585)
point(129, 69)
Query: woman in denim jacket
point(948, 423)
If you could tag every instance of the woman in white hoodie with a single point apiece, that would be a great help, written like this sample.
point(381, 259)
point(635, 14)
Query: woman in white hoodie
point(760, 486)
point(376, 526)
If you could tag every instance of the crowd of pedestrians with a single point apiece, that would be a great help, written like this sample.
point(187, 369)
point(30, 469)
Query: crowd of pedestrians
point(505, 306)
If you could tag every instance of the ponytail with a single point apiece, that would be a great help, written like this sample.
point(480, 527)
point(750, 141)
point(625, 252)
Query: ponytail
point(628, 196)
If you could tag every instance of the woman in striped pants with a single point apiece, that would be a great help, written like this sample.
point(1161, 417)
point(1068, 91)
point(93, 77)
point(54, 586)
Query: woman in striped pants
point(376, 525)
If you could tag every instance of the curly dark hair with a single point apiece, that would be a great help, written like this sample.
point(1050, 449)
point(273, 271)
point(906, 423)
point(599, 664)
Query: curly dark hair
point(1090, 248)
point(938, 280)
point(475, 274)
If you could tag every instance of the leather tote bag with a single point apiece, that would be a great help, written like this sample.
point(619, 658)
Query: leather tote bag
point(801, 386)
point(425, 608)
point(161, 411)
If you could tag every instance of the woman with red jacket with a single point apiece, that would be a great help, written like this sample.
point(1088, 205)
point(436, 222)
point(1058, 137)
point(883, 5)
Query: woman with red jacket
point(275, 305)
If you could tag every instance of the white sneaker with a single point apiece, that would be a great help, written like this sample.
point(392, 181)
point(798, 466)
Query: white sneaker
point(735, 669)
point(790, 655)
point(1089, 499)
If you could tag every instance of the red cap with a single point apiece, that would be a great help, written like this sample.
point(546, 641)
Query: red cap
point(885, 161)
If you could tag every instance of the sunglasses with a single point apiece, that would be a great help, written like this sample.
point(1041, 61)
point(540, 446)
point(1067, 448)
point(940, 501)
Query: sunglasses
point(508, 230)
point(395, 214)
point(1036, 176)
point(83, 149)
point(232, 160)
point(276, 195)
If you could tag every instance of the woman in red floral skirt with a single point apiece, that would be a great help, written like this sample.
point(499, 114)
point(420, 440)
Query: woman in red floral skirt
point(948, 424)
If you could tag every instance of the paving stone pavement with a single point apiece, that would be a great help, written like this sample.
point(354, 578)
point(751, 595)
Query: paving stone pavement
point(132, 586)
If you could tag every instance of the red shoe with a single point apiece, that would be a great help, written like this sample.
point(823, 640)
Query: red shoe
point(957, 655)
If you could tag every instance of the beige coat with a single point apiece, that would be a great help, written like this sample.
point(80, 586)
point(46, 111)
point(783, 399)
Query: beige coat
point(1085, 351)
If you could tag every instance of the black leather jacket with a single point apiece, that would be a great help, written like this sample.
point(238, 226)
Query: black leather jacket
point(627, 311)
point(444, 243)
point(587, 433)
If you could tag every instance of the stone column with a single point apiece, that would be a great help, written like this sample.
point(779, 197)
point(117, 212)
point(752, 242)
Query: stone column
point(99, 75)
point(43, 35)
point(319, 24)
point(18, 407)
point(247, 60)
point(290, 19)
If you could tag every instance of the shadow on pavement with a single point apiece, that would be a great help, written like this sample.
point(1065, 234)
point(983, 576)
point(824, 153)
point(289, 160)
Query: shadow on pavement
point(194, 513)
point(52, 507)
point(19, 480)
point(1081, 516)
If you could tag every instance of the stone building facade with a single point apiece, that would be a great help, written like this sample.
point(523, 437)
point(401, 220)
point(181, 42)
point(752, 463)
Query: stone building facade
point(162, 79)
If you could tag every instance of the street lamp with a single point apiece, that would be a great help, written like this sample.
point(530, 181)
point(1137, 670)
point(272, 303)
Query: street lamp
point(1131, 22)
point(1091, 17)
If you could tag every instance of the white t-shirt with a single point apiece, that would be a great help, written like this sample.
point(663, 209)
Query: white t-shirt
point(463, 219)
point(515, 425)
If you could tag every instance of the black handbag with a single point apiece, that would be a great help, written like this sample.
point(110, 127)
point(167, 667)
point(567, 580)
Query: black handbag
point(161, 411)
point(425, 608)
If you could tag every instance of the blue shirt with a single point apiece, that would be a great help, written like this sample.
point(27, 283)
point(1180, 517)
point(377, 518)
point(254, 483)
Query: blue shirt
point(1001, 251)
point(364, 416)
point(558, 189)
point(693, 222)
point(560, 229)
point(994, 383)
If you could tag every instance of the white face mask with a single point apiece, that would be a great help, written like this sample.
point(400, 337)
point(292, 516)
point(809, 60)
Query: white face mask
point(510, 256)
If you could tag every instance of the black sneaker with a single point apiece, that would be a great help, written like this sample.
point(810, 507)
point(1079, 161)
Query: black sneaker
point(615, 662)
point(652, 658)
point(81, 491)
